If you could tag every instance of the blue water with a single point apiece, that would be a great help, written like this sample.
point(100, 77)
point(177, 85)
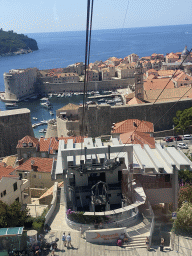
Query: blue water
point(60, 49)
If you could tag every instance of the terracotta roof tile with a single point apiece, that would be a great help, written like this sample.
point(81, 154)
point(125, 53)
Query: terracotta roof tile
point(50, 190)
point(166, 72)
point(168, 94)
point(10, 160)
point(128, 125)
point(135, 101)
point(172, 56)
point(6, 171)
point(27, 139)
point(70, 106)
point(135, 137)
point(48, 145)
point(158, 83)
point(43, 164)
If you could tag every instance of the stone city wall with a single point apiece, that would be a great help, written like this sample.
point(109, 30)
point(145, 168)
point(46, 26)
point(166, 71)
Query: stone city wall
point(100, 119)
point(92, 86)
point(14, 125)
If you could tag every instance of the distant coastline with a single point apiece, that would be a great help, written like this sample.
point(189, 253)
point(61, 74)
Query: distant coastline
point(12, 44)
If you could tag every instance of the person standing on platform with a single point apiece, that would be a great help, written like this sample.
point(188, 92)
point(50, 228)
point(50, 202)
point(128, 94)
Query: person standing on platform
point(147, 243)
point(162, 244)
point(64, 239)
point(69, 240)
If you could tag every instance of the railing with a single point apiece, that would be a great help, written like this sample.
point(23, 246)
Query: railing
point(116, 223)
point(152, 223)
point(53, 203)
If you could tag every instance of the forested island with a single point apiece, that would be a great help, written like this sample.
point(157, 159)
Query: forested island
point(12, 43)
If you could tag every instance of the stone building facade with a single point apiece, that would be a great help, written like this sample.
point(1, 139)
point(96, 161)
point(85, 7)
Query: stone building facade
point(19, 83)
point(14, 125)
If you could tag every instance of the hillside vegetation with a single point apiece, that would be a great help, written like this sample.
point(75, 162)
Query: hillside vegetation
point(12, 42)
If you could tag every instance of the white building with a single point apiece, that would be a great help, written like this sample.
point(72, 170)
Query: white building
point(104, 176)
point(13, 188)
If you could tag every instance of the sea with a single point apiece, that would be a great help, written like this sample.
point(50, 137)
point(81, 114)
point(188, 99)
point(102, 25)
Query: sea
point(60, 49)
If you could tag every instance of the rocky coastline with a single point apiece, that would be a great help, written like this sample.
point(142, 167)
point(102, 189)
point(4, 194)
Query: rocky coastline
point(19, 52)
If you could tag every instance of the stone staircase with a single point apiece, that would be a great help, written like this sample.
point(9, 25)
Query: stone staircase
point(140, 230)
point(136, 242)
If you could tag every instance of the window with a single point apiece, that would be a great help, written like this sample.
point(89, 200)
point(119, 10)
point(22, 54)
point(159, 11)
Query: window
point(39, 176)
point(1, 194)
point(4, 192)
point(17, 199)
point(34, 176)
point(15, 186)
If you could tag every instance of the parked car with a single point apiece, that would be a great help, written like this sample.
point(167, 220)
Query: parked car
point(187, 137)
point(168, 139)
point(182, 145)
point(177, 138)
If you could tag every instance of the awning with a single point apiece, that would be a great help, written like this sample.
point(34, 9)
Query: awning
point(11, 231)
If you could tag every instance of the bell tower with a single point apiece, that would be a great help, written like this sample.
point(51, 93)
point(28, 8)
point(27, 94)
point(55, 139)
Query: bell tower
point(139, 90)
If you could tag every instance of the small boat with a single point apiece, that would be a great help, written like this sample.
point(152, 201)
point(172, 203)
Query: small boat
point(11, 105)
point(51, 113)
point(35, 118)
point(33, 97)
point(42, 130)
point(59, 95)
point(44, 99)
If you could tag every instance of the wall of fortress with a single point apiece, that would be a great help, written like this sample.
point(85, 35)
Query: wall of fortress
point(92, 86)
point(14, 125)
point(101, 118)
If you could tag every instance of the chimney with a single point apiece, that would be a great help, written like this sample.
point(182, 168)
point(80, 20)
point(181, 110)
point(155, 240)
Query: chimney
point(20, 161)
point(32, 164)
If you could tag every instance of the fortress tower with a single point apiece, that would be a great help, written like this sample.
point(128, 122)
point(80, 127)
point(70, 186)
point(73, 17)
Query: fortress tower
point(19, 83)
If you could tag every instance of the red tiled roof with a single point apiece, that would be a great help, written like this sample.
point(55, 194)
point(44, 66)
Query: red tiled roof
point(183, 77)
point(27, 139)
point(51, 144)
point(48, 145)
point(70, 106)
point(172, 55)
point(6, 171)
point(43, 164)
point(137, 138)
point(50, 190)
point(128, 125)
point(158, 83)
point(168, 94)
point(134, 101)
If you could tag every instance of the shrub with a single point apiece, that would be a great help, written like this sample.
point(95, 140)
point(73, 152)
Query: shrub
point(184, 218)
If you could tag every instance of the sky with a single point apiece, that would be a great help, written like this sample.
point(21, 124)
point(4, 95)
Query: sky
point(24, 16)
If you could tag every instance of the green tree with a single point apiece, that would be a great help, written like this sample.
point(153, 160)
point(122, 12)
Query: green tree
point(185, 175)
point(12, 215)
point(183, 119)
